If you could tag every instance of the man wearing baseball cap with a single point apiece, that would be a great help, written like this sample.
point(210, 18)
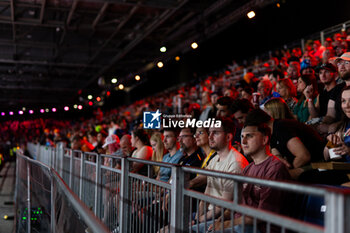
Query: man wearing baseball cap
point(334, 104)
point(327, 73)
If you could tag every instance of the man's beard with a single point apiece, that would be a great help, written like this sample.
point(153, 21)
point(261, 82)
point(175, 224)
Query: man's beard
point(345, 76)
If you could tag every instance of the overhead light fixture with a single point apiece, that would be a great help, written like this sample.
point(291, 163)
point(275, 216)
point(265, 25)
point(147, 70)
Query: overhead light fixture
point(251, 14)
point(114, 80)
point(137, 77)
point(80, 107)
point(90, 103)
point(31, 111)
point(20, 112)
point(66, 108)
point(3, 114)
point(278, 5)
point(177, 58)
point(160, 64)
point(163, 49)
point(90, 97)
point(54, 109)
point(11, 113)
point(121, 86)
point(98, 99)
point(75, 106)
point(23, 109)
point(194, 45)
point(47, 110)
point(42, 110)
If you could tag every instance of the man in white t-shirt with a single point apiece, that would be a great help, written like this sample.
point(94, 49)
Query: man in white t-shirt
point(227, 159)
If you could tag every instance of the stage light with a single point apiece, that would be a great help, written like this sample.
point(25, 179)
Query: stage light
point(108, 93)
point(11, 113)
point(98, 99)
point(160, 64)
point(80, 107)
point(137, 77)
point(251, 14)
point(177, 58)
point(194, 45)
point(114, 80)
point(47, 110)
point(278, 5)
point(66, 108)
point(23, 109)
point(42, 110)
point(90, 97)
point(75, 106)
point(3, 114)
point(121, 86)
point(163, 49)
point(31, 111)
point(20, 112)
point(54, 109)
point(90, 103)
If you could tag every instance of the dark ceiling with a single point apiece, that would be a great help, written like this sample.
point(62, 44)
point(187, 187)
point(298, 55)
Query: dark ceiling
point(51, 50)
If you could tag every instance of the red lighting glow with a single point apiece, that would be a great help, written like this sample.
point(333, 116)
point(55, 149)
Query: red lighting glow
point(98, 99)
point(90, 103)
point(108, 93)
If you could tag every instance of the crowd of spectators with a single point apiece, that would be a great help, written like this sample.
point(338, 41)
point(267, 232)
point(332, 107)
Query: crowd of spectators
point(284, 110)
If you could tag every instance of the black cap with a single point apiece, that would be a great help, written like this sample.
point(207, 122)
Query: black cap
point(326, 66)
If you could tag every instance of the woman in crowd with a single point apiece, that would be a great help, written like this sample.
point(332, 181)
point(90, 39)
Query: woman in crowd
point(140, 141)
point(158, 150)
point(202, 140)
point(277, 108)
point(339, 135)
point(305, 108)
point(287, 91)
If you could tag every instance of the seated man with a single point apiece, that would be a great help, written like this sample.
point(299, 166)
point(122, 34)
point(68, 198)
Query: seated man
point(296, 144)
point(255, 142)
point(227, 159)
point(173, 156)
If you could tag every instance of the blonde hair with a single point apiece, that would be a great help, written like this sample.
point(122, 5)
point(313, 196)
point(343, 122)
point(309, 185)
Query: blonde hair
point(278, 109)
point(159, 151)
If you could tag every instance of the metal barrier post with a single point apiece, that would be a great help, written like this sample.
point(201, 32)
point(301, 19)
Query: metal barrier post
point(335, 221)
point(98, 189)
point(29, 211)
point(53, 210)
point(177, 219)
point(82, 171)
point(71, 169)
point(124, 207)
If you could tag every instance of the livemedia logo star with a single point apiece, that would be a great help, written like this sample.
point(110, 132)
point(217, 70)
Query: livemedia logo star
point(151, 120)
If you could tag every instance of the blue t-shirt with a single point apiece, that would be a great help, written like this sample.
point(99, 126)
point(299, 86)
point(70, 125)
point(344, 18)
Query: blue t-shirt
point(165, 172)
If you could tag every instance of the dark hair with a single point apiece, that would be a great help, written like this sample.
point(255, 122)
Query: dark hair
point(227, 124)
point(257, 116)
point(192, 130)
point(262, 128)
point(242, 105)
point(142, 135)
point(309, 79)
point(277, 73)
point(344, 119)
point(248, 89)
point(225, 101)
point(172, 129)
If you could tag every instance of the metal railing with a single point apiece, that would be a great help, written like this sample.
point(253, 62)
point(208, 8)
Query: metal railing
point(44, 203)
point(130, 202)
